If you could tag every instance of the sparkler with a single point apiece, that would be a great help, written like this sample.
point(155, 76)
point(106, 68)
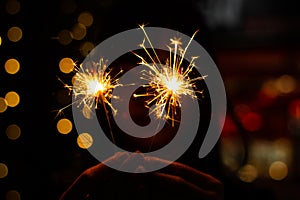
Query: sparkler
point(170, 80)
point(93, 86)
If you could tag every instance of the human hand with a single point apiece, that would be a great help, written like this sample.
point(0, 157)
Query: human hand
point(175, 181)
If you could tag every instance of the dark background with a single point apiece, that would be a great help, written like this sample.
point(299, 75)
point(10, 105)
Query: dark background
point(253, 43)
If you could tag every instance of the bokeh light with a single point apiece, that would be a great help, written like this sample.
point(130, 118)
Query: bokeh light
point(13, 131)
point(64, 37)
point(13, 7)
point(14, 34)
point(252, 121)
point(12, 66)
point(85, 18)
point(66, 65)
point(84, 140)
point(3, 105)
point(0, 40)
point(285, 84)
point(78, 31)
point(248, 173)
point(294, 108)
point(3, 170)
point(13, 195)
point(12, 98)
point(278, 170)
point(64, 126)
point(86, 48)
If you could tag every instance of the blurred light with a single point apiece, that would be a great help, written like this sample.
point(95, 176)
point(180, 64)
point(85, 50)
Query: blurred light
point(0, 40)
point(14, 34)
point(252, 121)
point(64, 37)
point(232, 152)
point(285, 84)
point(278, 170)
point(64, 126)
point(12, 66)
point(241, 110)
point(3, 104)
point(294, 108)
point(3, 170)
point(66, 65)
point(13, 131)
point(269, 88)
point(86, 19)
point(229, 127)
point(86, 111)
point(78, 31)
point(86, 48)
point(13, 195)
point(248, 173)
point(12, 98)
point(84, 140)
point(12, 7)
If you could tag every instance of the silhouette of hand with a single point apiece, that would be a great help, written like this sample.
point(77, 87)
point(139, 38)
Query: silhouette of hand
point(175, 181)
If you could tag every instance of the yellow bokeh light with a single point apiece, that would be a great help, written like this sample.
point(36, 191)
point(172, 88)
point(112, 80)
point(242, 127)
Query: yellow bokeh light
point(65, 37)
point(3, 170)
point(13, 131)
point(278, 170)
point(3, 104)
point(86, 48)
point(66, 65)
point(12, 98)
point(13, 7)
point(285, 84)
point(78, 31)
point(13, 195)
point(84, 140)
point(64, 126)
point(12, 66)
point(248, 173)
point(14, 34)
point(86, 19)
point(0, 40)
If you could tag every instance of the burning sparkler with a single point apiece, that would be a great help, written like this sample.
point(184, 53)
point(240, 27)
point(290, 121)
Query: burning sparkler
point(170, 80)
point(92, 86)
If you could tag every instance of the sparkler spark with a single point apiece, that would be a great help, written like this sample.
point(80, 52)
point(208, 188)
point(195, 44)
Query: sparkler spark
point(93, 86)
point(169, 80)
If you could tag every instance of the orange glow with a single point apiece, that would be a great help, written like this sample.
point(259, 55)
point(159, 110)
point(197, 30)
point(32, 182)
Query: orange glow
point(248, 173)
point(64, 37)
point(86, 19)
point(13, 195)
point(66, 65)
point(86, 48)
point(64, 126)
point(12, 66)
point(3, 105)
point(278, 170)
point(84, 140)
point(78, 31)
point(12, 98)
point(3, 170)
point(14, 34)
point(13, 131)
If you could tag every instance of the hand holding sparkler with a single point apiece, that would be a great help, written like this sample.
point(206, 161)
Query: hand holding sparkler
point(176, 181)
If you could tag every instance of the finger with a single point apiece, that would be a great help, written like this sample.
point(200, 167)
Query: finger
point(188, 173)
point(81, 187)
point(176, 186)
